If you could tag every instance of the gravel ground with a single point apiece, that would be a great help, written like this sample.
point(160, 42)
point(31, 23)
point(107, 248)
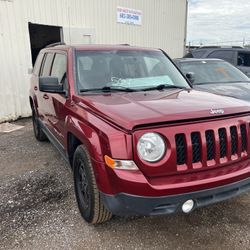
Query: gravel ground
point(38, 210)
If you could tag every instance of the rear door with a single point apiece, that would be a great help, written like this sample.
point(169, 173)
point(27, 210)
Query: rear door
point(34, 90)
point(42, 97)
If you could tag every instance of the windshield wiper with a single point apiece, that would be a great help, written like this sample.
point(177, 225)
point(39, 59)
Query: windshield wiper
point(108, 89)
point(164, 86)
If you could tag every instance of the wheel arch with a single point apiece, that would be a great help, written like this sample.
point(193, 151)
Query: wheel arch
point(72, 143)
point(82, 133)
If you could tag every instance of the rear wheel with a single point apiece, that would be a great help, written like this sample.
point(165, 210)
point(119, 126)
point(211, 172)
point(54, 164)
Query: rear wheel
point(87, 193)
point(38, 132)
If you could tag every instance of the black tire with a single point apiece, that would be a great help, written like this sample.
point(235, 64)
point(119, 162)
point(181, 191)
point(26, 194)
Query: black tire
point(86, 191)
point(38, 132)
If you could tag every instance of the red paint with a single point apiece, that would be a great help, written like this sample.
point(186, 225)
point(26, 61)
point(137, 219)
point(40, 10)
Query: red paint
point(110, 124)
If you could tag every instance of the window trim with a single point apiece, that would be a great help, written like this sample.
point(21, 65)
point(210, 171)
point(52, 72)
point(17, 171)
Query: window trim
point(42, 64)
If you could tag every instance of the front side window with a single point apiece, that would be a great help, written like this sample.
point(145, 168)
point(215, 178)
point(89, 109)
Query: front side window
point(59, 68)
point(47, 64)
point(125, 69)
point(213, 72)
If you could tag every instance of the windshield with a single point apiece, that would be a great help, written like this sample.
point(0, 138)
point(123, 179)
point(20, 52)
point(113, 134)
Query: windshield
point(127, 70)
point(213, 72)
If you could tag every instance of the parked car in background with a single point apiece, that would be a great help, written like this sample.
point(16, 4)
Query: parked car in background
point(139, 139)
point(237, 56)
point(215, 76)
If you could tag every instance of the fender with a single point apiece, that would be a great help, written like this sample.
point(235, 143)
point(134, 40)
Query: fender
point(99, 143)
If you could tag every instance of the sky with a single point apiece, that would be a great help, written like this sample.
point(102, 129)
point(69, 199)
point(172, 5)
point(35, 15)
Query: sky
point(218, 22)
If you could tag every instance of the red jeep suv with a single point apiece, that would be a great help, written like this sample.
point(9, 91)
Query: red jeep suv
point(139, 139)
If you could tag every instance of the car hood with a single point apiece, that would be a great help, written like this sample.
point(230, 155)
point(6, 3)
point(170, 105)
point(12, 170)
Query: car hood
point(240, 90)
point(130, 110)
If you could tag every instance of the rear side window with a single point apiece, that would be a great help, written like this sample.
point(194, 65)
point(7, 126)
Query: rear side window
point(59, 67)
point(226, 55)
point(243, 59)
point(47, 64)
point(199, 53)
point(38, 64)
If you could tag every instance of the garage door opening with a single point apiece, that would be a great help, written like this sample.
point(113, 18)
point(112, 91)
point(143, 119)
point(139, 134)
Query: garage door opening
point(43, 35)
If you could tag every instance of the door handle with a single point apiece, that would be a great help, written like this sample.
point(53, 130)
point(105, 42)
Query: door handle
point(45, 96)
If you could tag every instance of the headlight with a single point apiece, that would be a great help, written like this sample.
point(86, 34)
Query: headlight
point(151, 147)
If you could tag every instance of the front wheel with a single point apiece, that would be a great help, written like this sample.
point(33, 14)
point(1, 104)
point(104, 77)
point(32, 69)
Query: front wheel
point(87, 193)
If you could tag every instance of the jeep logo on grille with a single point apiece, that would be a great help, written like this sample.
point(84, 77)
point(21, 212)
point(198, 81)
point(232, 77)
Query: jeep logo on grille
point(216, 111)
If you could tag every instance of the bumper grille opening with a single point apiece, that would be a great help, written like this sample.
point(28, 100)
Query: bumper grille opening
point(180, 149)
point(196, 146)
point(210, 144)
point(223, 142)
point(243, 132)
point(234, 140)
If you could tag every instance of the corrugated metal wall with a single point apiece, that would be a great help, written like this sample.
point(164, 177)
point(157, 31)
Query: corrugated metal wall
point(163, 26)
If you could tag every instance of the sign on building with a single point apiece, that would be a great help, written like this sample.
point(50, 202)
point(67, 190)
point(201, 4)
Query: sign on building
point(129, 16)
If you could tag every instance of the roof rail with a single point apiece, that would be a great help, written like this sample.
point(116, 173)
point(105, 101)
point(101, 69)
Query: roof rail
point(208, 47)
point(55, 44)
point(222, 46)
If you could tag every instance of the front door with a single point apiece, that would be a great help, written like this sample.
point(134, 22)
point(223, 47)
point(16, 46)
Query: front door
point(57, 104)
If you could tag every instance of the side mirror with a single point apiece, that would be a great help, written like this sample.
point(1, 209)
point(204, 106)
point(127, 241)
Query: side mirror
point(190, 76)
point(50, 84)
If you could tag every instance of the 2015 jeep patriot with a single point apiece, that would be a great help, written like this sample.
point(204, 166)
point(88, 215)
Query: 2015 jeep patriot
point(139, 139)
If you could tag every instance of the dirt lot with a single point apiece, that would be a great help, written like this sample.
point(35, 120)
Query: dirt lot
point(38, 210)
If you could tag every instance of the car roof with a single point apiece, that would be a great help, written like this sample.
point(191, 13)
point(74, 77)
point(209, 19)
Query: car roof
point(234, 48)
point(181, 60)
point(91, 47)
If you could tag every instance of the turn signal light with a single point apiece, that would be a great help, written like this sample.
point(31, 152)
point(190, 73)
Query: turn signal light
point(120, 164)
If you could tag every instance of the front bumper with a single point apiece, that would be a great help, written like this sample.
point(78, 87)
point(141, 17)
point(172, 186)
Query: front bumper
point(126, 204)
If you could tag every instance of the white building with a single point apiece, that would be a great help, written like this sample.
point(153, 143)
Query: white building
point(28, 25)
